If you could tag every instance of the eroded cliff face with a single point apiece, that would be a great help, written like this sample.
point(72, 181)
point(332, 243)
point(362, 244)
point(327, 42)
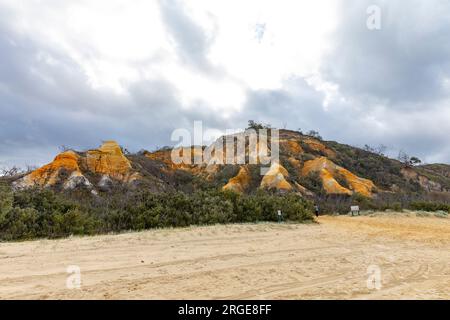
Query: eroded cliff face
point(300, 155)
point(108, 164)
point(275, 178)
point(63, 170)
point(330, 173)
point(66, 169)
point(240, 182)
point(110, 161)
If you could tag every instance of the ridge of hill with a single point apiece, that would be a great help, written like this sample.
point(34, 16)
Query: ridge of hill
point(307, 166)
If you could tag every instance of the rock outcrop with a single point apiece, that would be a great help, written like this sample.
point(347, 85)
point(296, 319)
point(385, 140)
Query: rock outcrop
point(300, 155)
point(66, 170)
point(275, 178)
point(110, 161)
point(63, 170)
point(240, 182)
point(330, 172)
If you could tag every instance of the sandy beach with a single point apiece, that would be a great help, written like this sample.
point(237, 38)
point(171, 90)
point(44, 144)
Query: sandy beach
point(331, 259)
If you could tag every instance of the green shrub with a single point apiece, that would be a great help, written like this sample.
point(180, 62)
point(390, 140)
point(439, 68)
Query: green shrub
point(20, 224)
point(430, 206)
point(38, 213)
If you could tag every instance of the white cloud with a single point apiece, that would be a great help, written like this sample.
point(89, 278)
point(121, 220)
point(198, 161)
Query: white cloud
point(110, 40)
point(136, 70)
point(295, 37)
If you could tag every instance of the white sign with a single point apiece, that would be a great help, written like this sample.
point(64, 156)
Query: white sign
point(354, 209)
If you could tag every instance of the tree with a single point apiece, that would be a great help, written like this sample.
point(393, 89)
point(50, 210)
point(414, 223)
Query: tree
point(407, 160)
point(403, 157)
point(380, 150)
point(11, 172)
point(125, 150)
point(314, 134)
point(257, 125)
point(415, 161)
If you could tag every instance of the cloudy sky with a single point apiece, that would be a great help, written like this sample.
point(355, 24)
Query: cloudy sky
point(78, 72)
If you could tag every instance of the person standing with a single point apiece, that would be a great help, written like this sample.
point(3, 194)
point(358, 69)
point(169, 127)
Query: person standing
point(280, 216)
point(316, 210)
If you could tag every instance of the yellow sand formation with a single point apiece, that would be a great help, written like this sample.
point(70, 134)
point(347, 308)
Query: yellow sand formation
point(48, 175)
point(240, 182)
point(275, 178)
point(329, 171)
point(108, 160)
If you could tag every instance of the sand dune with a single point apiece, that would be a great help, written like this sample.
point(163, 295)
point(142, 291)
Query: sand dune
point(327, 260)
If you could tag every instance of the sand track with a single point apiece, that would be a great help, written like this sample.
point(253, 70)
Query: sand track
point(328, 260)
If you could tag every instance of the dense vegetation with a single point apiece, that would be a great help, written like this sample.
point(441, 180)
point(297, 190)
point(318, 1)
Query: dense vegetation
point(38, 213)
point(386, 201)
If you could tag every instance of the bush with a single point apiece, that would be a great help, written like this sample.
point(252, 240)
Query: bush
point(430, 206)
point(45, 214)
point(382, 201)
point(20, 224)
point(41, 213)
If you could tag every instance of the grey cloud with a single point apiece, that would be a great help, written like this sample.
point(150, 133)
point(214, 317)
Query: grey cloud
point(191, 41)
point(394, 79)
point(45, 105)
point(405, 63)
point(298, 105)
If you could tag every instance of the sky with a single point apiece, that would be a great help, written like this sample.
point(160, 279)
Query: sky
point(76, 73)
